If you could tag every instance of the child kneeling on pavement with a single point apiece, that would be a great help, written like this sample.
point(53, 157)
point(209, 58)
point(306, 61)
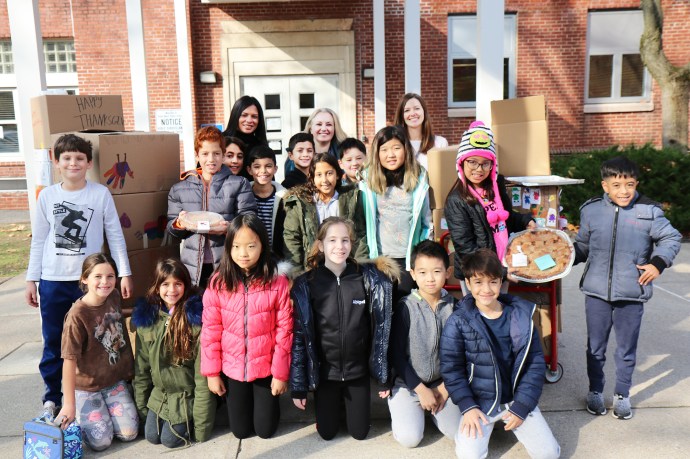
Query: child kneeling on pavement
point(492, 364)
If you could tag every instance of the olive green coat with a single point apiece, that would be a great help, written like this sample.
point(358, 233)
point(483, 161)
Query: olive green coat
point(302, 223)
point(176, 393)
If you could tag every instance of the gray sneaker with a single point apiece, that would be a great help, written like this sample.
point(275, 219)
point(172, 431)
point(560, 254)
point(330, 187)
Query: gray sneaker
point(595, 403)
point(49, 411)
point(621, 407)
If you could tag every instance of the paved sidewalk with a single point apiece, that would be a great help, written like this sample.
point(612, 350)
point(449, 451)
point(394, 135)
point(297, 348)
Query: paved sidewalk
point(660, 396)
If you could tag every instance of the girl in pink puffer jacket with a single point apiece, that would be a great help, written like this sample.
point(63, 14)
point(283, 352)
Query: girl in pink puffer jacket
point(246, 332)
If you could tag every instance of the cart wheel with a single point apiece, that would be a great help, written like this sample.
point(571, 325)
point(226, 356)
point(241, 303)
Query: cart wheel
point(553, 377)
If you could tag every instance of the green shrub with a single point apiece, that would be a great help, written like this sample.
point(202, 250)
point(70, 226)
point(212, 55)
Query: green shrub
point(664, 177)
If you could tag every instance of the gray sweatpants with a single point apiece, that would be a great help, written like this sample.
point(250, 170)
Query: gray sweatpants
point(534, 434)
point(407, 417)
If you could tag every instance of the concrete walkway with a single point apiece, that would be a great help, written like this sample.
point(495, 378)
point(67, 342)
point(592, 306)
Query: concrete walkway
point(660, 396)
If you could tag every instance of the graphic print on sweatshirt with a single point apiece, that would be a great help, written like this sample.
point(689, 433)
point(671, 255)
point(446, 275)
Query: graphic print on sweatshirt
point(71, 222)
point(109, 333)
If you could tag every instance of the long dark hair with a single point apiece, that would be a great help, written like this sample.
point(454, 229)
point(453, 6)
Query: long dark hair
point(407, 176)
point(179, 337)
point(331, 161)
point(229, 276)
point(462, 188)
point(427, 130)
point(241, 104)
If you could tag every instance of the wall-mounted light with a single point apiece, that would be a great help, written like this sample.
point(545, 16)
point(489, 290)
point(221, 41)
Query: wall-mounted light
point(208, 77)
point(368, 72)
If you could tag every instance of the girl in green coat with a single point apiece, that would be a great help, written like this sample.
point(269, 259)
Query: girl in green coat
point(171, 395)
point(323, 196)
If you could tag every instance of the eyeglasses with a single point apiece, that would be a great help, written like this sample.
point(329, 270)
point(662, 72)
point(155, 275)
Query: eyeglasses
point(472, 164)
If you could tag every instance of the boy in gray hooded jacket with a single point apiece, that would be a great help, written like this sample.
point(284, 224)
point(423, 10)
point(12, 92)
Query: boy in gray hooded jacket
point(627, 242)
point(417, 326)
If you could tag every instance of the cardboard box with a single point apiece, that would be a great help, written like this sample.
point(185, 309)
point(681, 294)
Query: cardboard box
point(143, 217)
point(143, 264)
point(541, 202)
point(521, 134)
point(52, 114)
point(439, 222)
point(132, 162)
point(442, 174)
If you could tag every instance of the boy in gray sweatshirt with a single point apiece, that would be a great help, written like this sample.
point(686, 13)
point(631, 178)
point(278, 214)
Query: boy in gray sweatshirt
point(417, 326)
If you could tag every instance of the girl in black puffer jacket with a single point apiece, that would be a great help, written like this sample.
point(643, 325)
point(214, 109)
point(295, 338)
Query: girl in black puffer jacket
point(341, 339)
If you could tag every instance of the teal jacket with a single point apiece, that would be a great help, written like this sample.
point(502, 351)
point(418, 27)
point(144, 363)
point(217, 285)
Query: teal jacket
point(421, 217)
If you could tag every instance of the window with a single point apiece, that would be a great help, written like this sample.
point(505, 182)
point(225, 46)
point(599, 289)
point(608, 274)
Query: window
point(462, 60)
point(614, 70)
point(6, 63)
point(9, 140)
point(60, 56)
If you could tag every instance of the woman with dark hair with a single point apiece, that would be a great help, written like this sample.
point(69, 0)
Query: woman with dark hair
point(413, 115)
point(247, 123)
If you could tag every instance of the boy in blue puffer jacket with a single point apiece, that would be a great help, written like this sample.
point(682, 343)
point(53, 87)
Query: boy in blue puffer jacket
point(492, 364)
point(627, 242)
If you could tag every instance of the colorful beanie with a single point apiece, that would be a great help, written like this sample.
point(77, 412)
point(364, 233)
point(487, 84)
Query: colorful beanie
point(478, 140)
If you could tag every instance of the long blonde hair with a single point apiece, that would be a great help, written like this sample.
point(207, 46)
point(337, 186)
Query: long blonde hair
point(376, 178)
point(316, 256)
point(339, 135)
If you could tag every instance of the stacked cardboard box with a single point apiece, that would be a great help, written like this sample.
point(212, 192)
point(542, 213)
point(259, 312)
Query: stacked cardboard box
point(137, 167)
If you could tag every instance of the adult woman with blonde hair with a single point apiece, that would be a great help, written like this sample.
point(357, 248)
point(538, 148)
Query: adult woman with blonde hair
point(324, 125)
point(414, 116)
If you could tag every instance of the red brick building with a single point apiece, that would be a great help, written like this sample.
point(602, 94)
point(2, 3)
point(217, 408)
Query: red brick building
point(581, 55)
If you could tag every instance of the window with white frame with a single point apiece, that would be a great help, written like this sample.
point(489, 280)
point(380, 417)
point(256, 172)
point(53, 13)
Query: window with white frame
point(9, 140)
point(462, 59)
point(60, 56)
point(614, 69)
point(6, 62)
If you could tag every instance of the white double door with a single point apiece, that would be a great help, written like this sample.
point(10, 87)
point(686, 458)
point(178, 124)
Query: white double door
point(287, 101)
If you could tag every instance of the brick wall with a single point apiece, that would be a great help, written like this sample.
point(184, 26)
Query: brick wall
point(15, 200)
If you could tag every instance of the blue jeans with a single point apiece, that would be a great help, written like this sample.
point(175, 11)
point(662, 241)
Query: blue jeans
point(56, 298)
point(157, 430)
point(625, 317)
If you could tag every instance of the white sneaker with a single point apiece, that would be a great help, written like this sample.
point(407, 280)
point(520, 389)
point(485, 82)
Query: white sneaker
point(49, 411)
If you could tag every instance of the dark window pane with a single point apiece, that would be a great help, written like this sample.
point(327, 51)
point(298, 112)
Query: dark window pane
point(10, 141)
point(272, 101)
point(464, 80)
point(6, 105)
point(600, 72)
point(632, 76)
point(506, 79)
point(303, 122)
point(306, 101)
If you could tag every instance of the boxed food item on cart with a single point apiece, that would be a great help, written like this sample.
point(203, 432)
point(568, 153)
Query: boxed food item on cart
point(539, 255)
point(53, 114)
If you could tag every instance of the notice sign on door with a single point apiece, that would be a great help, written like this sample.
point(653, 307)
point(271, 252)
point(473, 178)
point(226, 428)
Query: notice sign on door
point(169, 121)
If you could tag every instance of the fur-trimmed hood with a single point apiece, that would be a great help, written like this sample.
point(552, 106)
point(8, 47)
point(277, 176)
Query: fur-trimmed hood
point(145, 314)
point(386, 265)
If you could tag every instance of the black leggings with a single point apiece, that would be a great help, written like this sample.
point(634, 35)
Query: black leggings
point(328, 400)
point(252, 408)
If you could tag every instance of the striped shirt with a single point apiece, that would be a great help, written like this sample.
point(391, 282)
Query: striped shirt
point(265, 212)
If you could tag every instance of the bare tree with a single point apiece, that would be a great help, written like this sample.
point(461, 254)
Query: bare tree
point(674, 81)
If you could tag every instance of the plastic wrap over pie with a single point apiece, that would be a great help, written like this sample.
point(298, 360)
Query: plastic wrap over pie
point(539, 255)
point(201, 220)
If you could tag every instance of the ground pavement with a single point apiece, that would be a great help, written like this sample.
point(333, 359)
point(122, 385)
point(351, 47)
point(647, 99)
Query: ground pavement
point(660, 396)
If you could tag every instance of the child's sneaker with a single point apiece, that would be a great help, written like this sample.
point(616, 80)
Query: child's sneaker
point(49, 411)
point(595, 403)
point(621, 407)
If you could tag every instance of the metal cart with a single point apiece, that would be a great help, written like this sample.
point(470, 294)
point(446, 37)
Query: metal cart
point(554, 370)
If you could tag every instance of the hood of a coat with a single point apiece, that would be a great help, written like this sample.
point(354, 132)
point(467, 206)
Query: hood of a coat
point(145, 314)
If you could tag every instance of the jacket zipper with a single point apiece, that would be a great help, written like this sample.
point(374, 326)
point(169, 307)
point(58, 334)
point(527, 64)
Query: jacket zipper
point(342, 337)
point(529, 343)
point(246, 338)
point(613, 249)
point(436, 340)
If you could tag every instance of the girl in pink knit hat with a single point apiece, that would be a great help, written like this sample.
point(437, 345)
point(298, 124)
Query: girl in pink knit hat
point(478, 209)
